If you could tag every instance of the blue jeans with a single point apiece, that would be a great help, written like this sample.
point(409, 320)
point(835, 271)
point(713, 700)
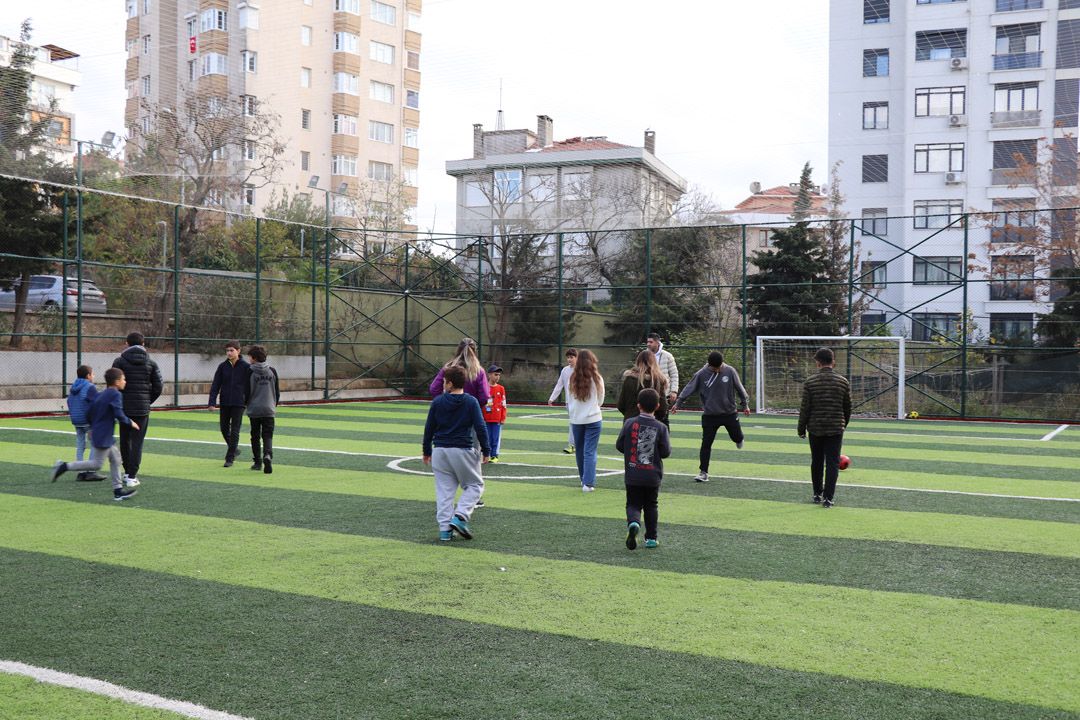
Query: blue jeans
point(586, 438)
point(494, 436)
point(81, 431)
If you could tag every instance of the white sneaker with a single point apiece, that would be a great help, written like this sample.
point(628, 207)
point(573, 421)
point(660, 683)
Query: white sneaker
point(701, 477)
point(131, 481)
point(588, 488)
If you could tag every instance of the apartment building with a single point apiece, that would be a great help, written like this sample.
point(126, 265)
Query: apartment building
point(942, 107)
point(55, 73)
point(343, 75)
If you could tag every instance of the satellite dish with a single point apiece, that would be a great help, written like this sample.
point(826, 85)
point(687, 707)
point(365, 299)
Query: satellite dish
point(755, 187)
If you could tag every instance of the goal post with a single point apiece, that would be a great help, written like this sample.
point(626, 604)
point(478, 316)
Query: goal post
point(875, 367)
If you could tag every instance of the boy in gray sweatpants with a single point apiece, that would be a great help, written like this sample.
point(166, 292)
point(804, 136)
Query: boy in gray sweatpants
point(453, 420)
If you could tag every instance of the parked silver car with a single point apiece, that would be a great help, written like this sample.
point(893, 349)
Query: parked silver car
point(50, 291)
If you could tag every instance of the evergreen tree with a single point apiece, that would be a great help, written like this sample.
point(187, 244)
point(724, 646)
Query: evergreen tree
point(790, 294)
point(1061, 326)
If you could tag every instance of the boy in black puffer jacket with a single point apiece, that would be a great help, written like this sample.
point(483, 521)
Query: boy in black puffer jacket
point(143, 388)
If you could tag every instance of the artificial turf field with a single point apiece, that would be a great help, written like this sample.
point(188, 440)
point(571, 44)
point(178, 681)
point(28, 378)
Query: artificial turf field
point(944, 584)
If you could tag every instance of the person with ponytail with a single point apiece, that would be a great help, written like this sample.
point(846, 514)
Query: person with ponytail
point(476, 382)
point(645, 373)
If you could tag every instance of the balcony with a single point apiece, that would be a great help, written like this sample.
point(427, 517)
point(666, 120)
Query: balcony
point(1010, 5)
point(1018, 61)
point(1013, 177)
point(1015, 118)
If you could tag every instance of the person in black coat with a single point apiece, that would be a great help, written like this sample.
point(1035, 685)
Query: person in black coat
point(230, 386)
point(144, 386)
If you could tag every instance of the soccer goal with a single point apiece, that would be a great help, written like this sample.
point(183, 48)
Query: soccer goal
point(873, 365)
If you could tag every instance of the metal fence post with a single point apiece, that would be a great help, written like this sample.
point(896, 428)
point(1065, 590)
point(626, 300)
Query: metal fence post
point(176, 305)
point(648, 282)
point(314, 307)
point(850, 297)
point(258, 277)
point(559, 287)
point(405, 321)
point(743, 338)
point(479, 291)
point(964, 326)
point(78, 272)
point(63, 309)
point(326, 308)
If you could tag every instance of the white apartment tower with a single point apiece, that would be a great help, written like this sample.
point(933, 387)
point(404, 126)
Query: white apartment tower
point(343, 75)
point(55, 75)
point(941, 107)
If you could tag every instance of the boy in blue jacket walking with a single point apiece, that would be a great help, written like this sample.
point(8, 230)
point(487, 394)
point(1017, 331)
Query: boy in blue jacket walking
point(82, 393)
point(107, 408)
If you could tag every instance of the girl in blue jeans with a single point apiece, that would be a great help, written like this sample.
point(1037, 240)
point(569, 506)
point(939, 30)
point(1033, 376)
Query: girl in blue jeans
point(584, 395)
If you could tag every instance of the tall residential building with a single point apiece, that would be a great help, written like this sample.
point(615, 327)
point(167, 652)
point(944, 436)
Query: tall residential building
point(343, 75)
point(55, 74)
point(940, 107)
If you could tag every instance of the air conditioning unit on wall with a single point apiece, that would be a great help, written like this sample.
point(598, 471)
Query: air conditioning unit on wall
point(958, 63)
point(954, 178)
point(957, 120)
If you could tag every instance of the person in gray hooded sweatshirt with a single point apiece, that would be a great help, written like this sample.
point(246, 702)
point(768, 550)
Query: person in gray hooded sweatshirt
point(718, 384)
point(263, 395)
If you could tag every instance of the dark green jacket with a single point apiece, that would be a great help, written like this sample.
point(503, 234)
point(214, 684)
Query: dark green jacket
point(826, 403)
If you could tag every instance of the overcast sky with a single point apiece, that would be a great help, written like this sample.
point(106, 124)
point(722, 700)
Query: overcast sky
point(736, 92)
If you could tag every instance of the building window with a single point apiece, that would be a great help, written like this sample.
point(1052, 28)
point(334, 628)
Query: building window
point(305, 77)
point(412, 137)
point(145, 44)
point(931, 326)
point(349, 6)
point(383, 13)
point(507, 186)
point(381, 52)
point(939, 157)
point(383, 92)
point(1012, 97)
point(146, 5)
point(875, 11)
point(249, 104)
point(346, 42)
point(412, 60)
point(940, 101)
point(872, 322)
point(380, 171)
point(409, 175)
point(250, 60)
point(249, 149)
point(764, 238)
point(192, 25)
point(305, 35)
point(346, 83)
point(380, 131)
point(413, 21)
point(1010, 5)
point(1012, 328)
point(305, 160)
point(343, 165)
point(132, 8)
point(541, 187)
point(1014, 162)
point(875, 115)
point(875, 221)
point(1014, 221)
point(215, 64)
point(875, 63)
point(145, 123)
point(213, 19)
point(249, 18)
point(305, 119)
point(214, 104)
point(345, 124)
point(577, 186)
point(937, 270)
point(1012, 277)
point(875, 168)
point(146, 85)
point(191, 70)
point(412, 99)
point(874, 275)
point(1018, 47)
point(130, 46)
point(249, 195)
point(474, 195)
point(937, 213)
point(940, 44)
point(936, 2)
point(1068, 41)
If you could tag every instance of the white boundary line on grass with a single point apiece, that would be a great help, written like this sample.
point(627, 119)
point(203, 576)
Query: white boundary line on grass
point(396, 465)
point(608, 473)
point(108, 689)
point(1050, 435)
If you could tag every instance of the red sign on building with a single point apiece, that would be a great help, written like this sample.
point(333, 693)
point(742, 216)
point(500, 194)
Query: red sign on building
point(191, 45)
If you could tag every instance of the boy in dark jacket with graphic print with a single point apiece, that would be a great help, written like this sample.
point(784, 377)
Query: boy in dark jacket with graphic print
point(264, 394)
point(231, 386)
point(644, 443)
point(824, 412)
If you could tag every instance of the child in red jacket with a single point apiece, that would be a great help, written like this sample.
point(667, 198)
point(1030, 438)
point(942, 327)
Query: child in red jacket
point(495, 410)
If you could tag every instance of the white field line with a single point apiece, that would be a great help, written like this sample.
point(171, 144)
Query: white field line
point(541, 416)
point(1050, 435)
point(401, 458)
point(100, 687)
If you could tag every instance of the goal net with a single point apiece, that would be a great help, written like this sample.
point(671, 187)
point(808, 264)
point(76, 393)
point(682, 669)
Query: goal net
point(873, 365)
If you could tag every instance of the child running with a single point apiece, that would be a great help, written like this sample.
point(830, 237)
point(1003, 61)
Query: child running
point(448, 448)
point(644, 442)
point(107, 408)
point(80, 397)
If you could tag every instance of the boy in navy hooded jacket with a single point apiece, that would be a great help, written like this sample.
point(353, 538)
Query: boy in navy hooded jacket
point(80, 396)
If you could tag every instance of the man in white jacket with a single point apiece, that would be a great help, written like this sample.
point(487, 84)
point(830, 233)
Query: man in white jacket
point(562, 386)
point(666, 361)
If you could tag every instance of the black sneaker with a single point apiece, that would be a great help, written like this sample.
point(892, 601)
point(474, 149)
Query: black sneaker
point(228, 462)
point(89, 477)
point(268, 467)
point(256, 465)
point(631, 535)
point(816, 499)
point(479, 504)
point(827, 504)
point(123, 493)
point(58, 469)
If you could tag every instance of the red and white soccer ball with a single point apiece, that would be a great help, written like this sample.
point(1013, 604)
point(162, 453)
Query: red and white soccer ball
point(845, 462)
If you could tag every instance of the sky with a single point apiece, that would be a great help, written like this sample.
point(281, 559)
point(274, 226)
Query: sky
point(736, 92)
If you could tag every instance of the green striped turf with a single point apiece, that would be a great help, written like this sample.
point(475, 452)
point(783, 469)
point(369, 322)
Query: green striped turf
point(23, 697)
point(860, 634)
point(282, 656)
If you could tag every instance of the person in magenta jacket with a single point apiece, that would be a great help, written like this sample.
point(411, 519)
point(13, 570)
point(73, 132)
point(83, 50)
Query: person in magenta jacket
point(476, 382)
